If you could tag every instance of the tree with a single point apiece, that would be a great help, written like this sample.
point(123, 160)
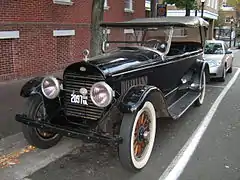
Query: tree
point(221, 19)
point(187, 4)
point(233, 3)
point(153, 8)
point(96, 30)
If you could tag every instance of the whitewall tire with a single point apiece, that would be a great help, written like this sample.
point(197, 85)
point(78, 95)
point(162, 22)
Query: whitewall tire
point(200, 100)
point(138, 132)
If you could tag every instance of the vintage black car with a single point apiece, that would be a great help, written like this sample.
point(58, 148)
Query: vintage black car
point(150, 69)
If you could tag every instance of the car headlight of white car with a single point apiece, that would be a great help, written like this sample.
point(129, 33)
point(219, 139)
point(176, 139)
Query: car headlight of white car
point(101, 94)
point(50, 87)
point(214, 63)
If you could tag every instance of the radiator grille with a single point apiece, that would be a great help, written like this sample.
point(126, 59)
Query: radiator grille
point(74, 82)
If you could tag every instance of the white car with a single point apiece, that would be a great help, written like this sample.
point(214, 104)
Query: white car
point(219, 57)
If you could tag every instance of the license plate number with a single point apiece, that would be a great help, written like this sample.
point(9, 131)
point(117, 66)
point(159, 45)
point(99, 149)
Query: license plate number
point(79, 99)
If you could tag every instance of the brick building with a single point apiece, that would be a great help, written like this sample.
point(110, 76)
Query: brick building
point(44, 36)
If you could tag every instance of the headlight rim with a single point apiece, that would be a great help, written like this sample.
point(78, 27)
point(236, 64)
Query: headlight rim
point(109, 90)
point(57, 84)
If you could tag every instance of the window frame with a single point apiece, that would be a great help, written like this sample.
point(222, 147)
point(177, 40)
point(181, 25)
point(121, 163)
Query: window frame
point(106, 7)
point(63, 2)
point(130, 6)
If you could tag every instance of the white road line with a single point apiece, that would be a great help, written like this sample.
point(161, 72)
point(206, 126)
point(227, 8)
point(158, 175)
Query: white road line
point(178, 164)
point(33, 161)
point(215, 86)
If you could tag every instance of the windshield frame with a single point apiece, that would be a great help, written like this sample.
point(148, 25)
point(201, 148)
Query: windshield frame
point(140, 43)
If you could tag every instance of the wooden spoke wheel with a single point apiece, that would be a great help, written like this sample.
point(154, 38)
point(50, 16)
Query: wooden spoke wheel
point(138, 131)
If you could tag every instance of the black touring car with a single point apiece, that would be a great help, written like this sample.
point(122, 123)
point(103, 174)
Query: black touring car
point(150, 69)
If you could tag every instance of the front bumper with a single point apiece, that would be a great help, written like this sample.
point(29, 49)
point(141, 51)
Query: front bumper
point(216, 71)
point(69, 131)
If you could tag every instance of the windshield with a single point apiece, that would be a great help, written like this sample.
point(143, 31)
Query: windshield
point(213, 48)
point(154, 38)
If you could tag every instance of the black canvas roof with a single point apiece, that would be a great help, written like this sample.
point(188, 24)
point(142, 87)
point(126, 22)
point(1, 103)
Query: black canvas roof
point(186, 21)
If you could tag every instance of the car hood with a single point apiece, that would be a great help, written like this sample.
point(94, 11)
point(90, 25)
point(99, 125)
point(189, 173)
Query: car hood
point(213, 57)
point(120, 60)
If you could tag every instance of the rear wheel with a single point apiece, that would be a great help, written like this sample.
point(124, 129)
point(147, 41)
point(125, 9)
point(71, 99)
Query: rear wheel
point(200, 100)
point(223, 74)
point(38, 137)
point(138, 132)
point(230, 69)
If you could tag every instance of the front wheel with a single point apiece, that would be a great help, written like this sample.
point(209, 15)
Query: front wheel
point(34, 136)
point(200, 100)
point(138, 132)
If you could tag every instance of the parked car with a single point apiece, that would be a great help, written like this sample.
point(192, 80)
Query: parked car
point(151, 68)
point(219, 57)
point(238, 45)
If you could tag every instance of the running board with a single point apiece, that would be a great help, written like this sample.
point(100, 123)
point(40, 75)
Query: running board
point(182, 104)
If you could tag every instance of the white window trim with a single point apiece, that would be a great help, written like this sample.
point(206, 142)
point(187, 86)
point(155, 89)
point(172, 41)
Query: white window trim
point(128, 31)
point(63, 32)
point(106, 31)
point(129, 10)
point(9, 34)
point(216, 5)
point(106, 7)
point(63, 2)
point(209, 3)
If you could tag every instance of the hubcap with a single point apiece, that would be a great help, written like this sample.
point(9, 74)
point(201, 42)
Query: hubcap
point(141, 135)
point(39, 116)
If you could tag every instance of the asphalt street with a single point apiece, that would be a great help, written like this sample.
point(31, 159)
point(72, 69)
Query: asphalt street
point(216, 156)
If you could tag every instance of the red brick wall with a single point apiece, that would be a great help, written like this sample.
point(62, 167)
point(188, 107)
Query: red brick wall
point(37, 51)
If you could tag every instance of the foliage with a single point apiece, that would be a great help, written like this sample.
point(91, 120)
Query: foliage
point(221, 19)
point(233, 2)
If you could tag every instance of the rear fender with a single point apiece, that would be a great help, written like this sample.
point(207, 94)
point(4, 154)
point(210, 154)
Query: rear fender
point(202, 66)
point(134, 99)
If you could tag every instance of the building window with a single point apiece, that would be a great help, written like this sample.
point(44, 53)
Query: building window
point(212, 3)
point(63, 2)
point(216, 5)
point(208, 3)
point(106, 7)
point(227, 19)
point(128, 5)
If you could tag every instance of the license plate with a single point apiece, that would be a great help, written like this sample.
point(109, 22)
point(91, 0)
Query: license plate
point(79, 99)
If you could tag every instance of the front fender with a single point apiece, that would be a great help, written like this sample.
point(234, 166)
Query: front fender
point(134, 99)
point(31, 87)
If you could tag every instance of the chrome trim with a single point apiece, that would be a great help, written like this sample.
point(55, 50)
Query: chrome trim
point(57, 84)
point(188, 107)
point(171, 92)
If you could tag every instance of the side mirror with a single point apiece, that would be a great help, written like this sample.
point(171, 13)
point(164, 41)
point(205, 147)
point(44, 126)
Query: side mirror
point(228, 52)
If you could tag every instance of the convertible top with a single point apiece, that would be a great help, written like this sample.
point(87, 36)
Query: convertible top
point(186, 21)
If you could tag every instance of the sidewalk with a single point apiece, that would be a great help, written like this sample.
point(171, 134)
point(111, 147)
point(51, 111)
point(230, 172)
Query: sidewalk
point(11, 103)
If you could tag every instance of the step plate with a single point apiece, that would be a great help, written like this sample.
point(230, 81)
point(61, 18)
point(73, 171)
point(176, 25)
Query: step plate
point(182, 104)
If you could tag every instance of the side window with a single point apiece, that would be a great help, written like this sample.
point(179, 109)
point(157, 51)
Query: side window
point(226, 46)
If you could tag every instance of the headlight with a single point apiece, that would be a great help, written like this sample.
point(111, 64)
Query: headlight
point(101, 94)
point(50, 87)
